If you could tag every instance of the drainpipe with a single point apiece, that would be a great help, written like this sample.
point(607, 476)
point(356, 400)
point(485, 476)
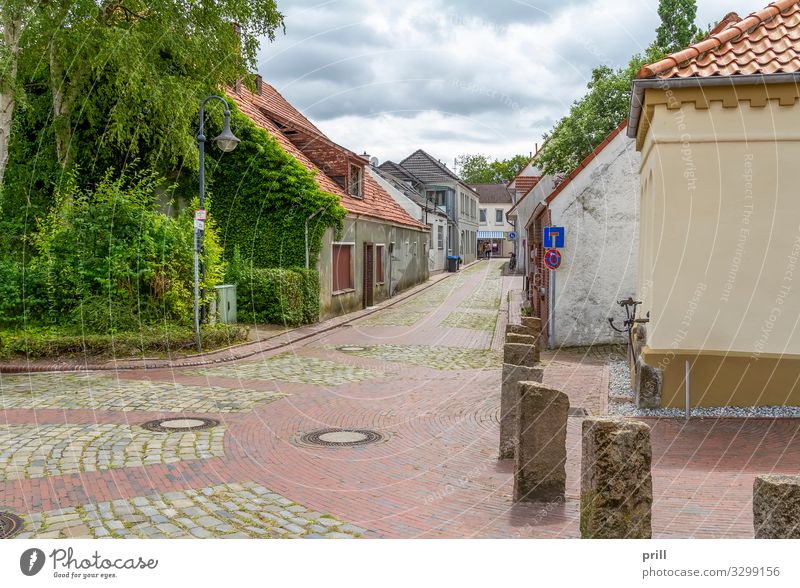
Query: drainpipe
point(306, 233)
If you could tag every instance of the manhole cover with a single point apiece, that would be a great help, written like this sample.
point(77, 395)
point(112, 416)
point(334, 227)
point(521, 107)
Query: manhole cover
point(10, 525)
point(351, 348)
point(341, 437)
point(180, 424)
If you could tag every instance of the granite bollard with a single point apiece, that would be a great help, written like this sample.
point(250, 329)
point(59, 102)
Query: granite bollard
point(616, 484)
point(509, 403)
point(776, 507)
point(520, 354)
point(541, 452)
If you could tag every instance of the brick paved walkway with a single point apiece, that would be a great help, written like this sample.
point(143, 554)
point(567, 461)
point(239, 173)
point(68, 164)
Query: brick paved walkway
point(75, 461)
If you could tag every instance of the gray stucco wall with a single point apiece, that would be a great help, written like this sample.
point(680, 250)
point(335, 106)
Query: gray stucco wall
point(599, 210)
point(404, 267)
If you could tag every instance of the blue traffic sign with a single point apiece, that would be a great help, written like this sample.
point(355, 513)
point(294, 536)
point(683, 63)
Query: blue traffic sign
point(512, 235)
point(553, 238)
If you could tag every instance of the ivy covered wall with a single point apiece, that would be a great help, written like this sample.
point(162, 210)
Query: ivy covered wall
point(262, 197)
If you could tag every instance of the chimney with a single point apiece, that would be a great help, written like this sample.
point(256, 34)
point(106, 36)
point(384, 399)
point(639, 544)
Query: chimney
point(259, 84)
point(365, 156)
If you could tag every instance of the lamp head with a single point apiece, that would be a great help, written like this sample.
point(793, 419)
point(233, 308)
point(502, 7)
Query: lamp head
point(226, 140)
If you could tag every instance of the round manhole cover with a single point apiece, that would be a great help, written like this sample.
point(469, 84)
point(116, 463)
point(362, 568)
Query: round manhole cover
point(351, 348)
point(180, 424)
point(341, 437)
point(10, 525)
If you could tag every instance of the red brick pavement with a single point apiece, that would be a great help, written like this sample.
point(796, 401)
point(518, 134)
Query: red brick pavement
point(436, 474)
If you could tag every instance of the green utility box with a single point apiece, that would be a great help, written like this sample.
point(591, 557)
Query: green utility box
point(226, 303)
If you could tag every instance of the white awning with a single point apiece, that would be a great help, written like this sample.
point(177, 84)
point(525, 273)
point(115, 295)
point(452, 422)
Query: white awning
point(491, 235)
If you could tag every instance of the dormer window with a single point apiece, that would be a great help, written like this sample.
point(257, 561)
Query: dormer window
point(356, 181)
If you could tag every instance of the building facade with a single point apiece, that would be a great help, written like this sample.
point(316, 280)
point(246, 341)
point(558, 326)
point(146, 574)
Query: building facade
point(416, 205)
point(595, 208)
point(446, 191)
point(383, 249)
point(495, 230)
point(717, 128)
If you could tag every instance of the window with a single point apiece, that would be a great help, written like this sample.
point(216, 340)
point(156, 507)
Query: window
point(437, 197)
point(498, 216)
point(483, 216)
point(440, 237)
point(342, 267)
point(356, 181)
point(379, 264)
point(472, 207)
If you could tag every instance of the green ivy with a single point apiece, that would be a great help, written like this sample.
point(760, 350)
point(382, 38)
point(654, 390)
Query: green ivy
point(262, 198)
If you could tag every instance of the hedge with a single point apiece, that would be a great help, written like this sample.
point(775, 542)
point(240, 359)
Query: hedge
point(277, 296)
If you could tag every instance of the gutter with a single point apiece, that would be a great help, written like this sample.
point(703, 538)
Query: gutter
point(639, 87)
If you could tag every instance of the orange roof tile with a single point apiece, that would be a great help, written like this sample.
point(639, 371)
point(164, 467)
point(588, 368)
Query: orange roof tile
point(525, 183)
point(376, 202)
point(766, 42)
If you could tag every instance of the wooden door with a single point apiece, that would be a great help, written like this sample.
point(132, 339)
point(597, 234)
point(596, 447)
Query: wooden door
point(369, 274)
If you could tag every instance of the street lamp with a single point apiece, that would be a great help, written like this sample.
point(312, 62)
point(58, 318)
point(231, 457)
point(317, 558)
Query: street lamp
point(227, 142)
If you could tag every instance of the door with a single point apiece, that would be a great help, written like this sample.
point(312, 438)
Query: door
point(369, 274)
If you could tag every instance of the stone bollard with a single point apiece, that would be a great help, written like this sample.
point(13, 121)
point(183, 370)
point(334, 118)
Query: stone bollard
point(532, 323)
point(520, 354)
point(776, 507)
point(616, 485)
point(526, 339)
point(521, 330)
point(541, 454)
point(509, 403)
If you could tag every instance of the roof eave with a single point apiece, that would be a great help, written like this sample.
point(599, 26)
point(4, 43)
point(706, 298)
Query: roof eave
point(640, 85)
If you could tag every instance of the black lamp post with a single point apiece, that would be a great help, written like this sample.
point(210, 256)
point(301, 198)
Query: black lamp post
point(227, 142)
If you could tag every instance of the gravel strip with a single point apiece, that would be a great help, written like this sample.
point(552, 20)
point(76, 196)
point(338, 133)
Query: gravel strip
point(621, 397)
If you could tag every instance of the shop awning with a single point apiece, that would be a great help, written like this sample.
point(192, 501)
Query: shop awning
point(491, 235)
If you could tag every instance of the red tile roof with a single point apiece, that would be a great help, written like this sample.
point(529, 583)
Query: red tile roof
point(565, 182)
point(766, 42)
point(524, 184)
point(376, 203)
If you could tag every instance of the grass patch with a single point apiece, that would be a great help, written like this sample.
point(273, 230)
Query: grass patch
point(60, 342)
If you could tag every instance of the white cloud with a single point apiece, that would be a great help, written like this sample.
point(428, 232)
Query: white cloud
point(453, 76)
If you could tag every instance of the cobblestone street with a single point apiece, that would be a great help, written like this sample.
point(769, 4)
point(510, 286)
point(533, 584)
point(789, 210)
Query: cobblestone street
point(423, 375)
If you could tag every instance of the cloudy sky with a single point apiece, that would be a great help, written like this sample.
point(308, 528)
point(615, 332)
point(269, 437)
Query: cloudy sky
point(453, 76)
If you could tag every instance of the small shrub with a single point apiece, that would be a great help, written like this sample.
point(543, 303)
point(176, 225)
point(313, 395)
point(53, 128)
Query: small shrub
point(276, 296)
point(111, 261)
point(149, 340)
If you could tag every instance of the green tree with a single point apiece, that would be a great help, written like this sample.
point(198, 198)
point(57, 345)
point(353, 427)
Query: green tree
point(480, 169)
point(125, 76)
point(606, 102)
point(677, 29)
point(590, 119)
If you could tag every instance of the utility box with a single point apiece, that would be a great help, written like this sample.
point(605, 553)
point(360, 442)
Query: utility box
point(226, 303)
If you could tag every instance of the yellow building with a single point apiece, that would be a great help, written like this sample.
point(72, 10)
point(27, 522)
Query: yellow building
point(718, 127)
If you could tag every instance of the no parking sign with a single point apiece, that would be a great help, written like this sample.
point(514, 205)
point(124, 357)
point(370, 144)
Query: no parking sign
point(552, 258)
